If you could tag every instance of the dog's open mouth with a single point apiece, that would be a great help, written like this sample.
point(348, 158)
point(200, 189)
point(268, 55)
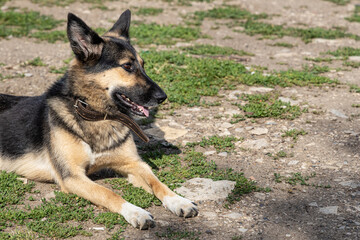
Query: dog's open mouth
point(134, 108)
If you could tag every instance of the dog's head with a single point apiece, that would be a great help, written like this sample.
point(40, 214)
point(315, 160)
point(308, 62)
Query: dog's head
point(108, 73)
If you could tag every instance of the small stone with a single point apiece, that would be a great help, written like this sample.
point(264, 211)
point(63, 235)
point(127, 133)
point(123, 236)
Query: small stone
point(207, 153)
point(260, 89)
point(313, 204)
point(28, 74)
point(234, 95)
point(234, 216)
point(288, 100)
point(223, 154)
point(329, 210)
point(254, 144)
point(99, 228)
point(293, 162)
point(259, 160)
point(49, 195)
point(338, 113)
point(226, 125)
point(239, 130)
point(259, 131)
point(260, 196)
point(354, 58)
point(209, 232)
point(270, 123)
point(162, 223)
point(350, 184)
point(288, 235)
point(243, 230)
point(225, 133)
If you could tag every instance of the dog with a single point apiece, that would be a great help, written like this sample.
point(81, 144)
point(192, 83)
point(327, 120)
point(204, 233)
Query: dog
point(83, 124)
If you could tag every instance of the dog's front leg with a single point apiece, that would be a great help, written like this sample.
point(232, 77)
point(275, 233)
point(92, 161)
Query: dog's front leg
point(129, 164)
point(70, 157)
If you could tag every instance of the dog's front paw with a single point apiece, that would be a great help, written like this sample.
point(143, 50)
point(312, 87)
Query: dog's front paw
point(181, 206)
point(137, 217)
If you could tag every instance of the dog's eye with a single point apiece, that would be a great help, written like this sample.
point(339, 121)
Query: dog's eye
point(127, 66)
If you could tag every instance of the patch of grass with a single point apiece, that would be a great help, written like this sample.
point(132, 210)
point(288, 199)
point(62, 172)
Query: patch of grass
point(61, 70)
point(356, 15)
point(267, 105)
point(294, 179)
point(237, 118)
point(12, 190)
point(36, 62)
point(294, 133)
point(50, 36)
point(49, 3)
point(319, 59)
point(186, 79)
point(228, 12)
point(219, 143)
point(19, 24)
point(352, 64)
point(282, 44)
point(178, 235)
point(354, 88)
point(339, 2)
point(153, 33)
point(355, 105)
point(344, 52)
point(150, 11)
point(212, 50)
point(269, 30)
point(18, 75)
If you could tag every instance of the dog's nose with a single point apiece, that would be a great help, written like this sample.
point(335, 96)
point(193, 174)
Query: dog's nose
point(160, 97)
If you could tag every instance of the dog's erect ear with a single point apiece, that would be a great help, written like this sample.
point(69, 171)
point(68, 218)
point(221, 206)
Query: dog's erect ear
point(85, 43)
point(122, 25)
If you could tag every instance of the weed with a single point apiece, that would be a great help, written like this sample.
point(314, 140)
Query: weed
point(153, 33)
point(345, 52)
point(212, 50)
point(95, 3)
point(50, 36)
point(294, 179)
point(356, 15)
point(354, 88)
point(18, 75)
point(237, 118)
point(282, 44)
point(61, 70)
point(267, 105)
point(319, 59)
point(355, 105)
point(178, 235)
point(339, 2)
point(36, 62)
point(352, 64)
point(228, 12)
point(269, 30)
point(19, 24)
point(294, 133)
point(219, 143)
point(149, 11)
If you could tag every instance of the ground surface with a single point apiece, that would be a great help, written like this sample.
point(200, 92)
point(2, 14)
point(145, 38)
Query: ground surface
point(327, 208)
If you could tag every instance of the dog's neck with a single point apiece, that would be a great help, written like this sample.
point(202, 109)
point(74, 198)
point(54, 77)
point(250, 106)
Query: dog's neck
point(84, 111)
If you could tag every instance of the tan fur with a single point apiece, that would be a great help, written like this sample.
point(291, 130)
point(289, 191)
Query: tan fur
point(114, 35)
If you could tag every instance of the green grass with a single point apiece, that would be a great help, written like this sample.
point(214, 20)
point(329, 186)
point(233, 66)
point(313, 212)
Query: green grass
point(339, 2)
point(228, 12)
point(344, 52)
point(282, 44)
point(49, 3)
point(61, 70)
point(178, 235)
point(153, 33)
point(18, 75)
point(237, 118)
point(354, 88)
point(294, 133)
point(185, 79)
point(149, 11)
point(219, 143)
point(319, 59)
point(355, 105)
point(19, 24)
point(37, 62)
point(355, 17)
point(352, 64)
point(269, 30)
point(294, 179)
point(212, 50)
point(267, 105)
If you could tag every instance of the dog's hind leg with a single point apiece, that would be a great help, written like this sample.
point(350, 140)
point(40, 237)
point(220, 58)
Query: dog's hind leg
point(139, 174)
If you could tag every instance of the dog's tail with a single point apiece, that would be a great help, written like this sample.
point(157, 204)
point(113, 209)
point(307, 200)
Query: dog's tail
point(8, 101)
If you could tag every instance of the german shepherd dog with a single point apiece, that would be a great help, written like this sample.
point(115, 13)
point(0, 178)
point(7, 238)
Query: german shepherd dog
point(47, 137)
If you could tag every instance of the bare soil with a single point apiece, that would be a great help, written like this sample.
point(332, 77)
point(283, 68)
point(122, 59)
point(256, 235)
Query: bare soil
point(330, 149)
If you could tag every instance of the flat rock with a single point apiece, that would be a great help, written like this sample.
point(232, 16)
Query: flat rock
point(234, 95)
point(350, 184)
point(167, 133)
point(289, 100)
point(234, 216)
point(207, 153)
point(260, 90)
point(338, 113)
point(254, 144)
point(259, 131)
point(201, 189)
point(260, 196)
point(354, 58)
point(329, 210)
point(223, 154)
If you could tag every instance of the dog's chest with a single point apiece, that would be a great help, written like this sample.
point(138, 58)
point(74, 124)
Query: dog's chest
point(105, 135)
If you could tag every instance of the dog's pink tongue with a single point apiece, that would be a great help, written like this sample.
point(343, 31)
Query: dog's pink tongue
point(145, 111)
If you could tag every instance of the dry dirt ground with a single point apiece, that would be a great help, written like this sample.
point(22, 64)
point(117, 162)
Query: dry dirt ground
point(330, 149)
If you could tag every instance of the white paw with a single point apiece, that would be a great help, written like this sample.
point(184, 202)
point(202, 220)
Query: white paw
point(181, 206)
point(137, 217)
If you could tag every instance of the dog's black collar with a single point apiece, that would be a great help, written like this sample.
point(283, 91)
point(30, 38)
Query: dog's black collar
point(84, 110)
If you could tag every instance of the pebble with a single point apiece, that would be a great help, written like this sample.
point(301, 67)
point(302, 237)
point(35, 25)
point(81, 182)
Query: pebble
point(207, 153)
point(28, 74)
point(99, 228)
point(260, 89)
point(293, 162)
point(260, 196)
point(223, 154)
point(313, 204)
point(226, 125)
point(243, 230)
point(338, 113)
point(329, 210)
point(259, 131)
point(350, 184)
